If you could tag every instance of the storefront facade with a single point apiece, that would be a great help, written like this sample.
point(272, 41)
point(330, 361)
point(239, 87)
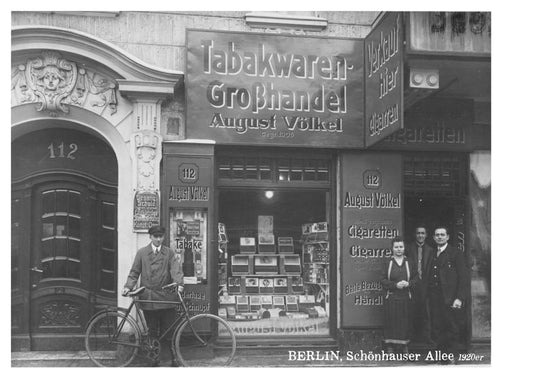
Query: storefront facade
point(280, 164)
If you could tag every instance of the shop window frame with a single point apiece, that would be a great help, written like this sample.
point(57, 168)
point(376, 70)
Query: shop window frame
point(275, 160)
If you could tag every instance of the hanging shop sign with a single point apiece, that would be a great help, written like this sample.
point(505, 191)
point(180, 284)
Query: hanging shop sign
point(384, 79)
point(145, 210)
point(269, 89)
point(371, 217)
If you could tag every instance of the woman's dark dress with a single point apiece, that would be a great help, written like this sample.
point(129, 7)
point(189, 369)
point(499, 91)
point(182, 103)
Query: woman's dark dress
point(398, 306)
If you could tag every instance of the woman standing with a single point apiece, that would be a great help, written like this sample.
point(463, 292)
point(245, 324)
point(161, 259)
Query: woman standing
point(399, 276)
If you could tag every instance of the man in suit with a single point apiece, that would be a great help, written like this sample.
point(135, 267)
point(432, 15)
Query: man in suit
point(445, 290)
point(158, 266)
point(420, 253)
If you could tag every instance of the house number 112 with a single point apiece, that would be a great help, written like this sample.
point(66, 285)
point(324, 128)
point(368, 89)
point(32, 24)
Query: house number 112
point(73, 147)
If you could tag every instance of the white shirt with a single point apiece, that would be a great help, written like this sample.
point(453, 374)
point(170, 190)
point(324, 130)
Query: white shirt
point(441, 248)
point(155, 249)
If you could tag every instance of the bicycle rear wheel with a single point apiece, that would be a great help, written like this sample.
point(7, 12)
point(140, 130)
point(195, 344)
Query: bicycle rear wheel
point(109, 346)
point(206, 340)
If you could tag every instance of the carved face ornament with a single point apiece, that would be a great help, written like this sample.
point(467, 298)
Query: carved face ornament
point(51, 78)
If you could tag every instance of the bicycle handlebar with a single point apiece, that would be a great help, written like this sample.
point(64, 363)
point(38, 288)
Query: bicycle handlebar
point(136, 291)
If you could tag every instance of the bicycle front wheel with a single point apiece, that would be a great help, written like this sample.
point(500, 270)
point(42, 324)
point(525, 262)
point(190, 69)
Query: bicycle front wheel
point(112, 339)
point(206, 340)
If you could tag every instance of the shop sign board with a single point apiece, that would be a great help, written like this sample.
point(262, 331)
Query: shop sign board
point(145, 210)
point(436, 125)
point(189, 181)
point(384, 79)
point(371, 216)
point(280, 326)
point(271, 89)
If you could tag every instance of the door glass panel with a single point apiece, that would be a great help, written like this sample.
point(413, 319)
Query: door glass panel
point(61, 231)
point(48, 228)
point(107, 282)
point(108, 239)
point(47, 248)
point(61, 201)
point(108, 260)
point(49, 199)
point(15, 241)
point(74, 249)
point(73, 269)
point(61, 247)
point(61, 225)
point(74, 203)
point(74, 227)
point(48, 269)
point(108, 214)
point(108, 251)
point(60, 268)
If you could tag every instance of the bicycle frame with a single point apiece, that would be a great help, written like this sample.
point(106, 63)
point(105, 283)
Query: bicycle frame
point(183, 317)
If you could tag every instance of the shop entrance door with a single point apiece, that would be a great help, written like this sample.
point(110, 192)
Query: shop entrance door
point(435, 194)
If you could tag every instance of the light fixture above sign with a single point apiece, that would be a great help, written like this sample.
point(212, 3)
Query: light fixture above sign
point(285, 21)
point(424, 78)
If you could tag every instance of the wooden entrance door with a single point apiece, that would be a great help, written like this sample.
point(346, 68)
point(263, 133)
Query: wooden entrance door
point(64, 237)
point(72, 260)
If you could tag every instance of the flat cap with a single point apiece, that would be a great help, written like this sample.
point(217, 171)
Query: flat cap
point(157, 230)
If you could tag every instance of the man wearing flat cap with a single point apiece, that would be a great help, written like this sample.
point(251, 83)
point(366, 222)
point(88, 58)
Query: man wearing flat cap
point(158, 266)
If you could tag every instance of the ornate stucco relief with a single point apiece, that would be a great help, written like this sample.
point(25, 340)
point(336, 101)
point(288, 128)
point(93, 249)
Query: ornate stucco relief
point(55, 83)
point(147, 148)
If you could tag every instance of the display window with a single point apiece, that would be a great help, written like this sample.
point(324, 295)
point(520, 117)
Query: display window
point(188, 237)
point(273, 265)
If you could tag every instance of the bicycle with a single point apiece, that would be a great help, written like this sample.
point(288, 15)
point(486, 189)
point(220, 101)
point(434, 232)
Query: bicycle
point(113, 338)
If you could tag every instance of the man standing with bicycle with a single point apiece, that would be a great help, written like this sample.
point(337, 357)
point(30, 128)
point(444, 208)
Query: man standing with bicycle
point(158, 266)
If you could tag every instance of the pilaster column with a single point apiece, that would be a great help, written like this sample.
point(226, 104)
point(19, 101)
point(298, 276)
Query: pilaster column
point(146, 153)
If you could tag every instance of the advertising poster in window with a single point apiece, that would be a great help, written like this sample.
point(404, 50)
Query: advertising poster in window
point(188, 237)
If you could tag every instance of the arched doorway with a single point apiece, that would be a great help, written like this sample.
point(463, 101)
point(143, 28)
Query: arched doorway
point(64, 235)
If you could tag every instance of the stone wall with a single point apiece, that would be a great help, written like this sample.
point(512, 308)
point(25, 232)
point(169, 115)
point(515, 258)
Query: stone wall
point(158, 38)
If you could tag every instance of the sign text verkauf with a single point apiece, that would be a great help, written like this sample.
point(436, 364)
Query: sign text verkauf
point(384, 79)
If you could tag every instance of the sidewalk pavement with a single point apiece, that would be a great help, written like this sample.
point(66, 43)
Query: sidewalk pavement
point(478, 355)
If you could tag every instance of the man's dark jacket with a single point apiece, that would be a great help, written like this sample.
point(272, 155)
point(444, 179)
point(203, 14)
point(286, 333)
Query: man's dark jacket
point(452, 275)
point(156, 271)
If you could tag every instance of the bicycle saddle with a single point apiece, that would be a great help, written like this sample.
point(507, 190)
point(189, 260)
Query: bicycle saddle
point(136, 291)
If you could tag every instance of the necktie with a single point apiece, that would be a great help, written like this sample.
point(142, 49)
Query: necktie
point(420, 261)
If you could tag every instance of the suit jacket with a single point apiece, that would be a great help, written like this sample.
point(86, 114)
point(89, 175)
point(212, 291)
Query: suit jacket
point(156, 271)
point(452, 275)
point(412, 252)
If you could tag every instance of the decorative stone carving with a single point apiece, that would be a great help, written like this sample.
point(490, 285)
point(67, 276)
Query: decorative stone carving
point(54, 83)
point(146, 144)
point(60, 314)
